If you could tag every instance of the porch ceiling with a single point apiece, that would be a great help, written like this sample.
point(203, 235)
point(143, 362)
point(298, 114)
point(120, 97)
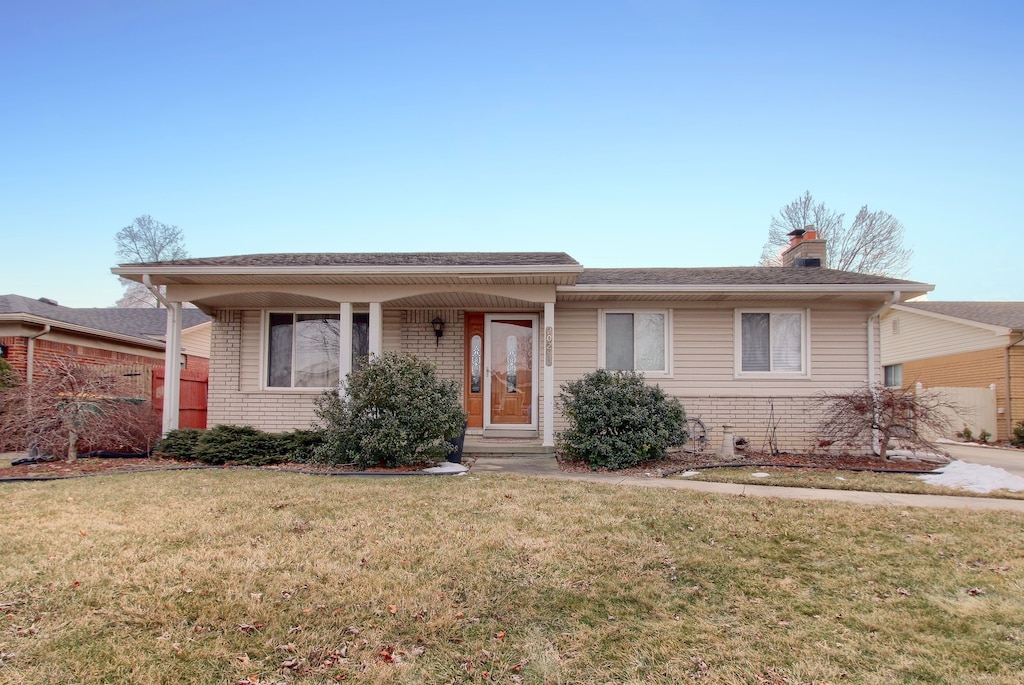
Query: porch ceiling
point(270, 300)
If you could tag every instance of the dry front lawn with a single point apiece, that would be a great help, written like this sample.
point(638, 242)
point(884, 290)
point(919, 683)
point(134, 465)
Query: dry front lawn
point(224, 576)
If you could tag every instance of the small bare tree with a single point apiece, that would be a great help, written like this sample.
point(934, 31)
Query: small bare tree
point(70, 406)
point(858, 417)
point(872, 244)
point(146, 240)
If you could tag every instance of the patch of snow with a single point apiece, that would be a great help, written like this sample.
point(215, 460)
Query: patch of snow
point(974, 477)
point(447, 467)
point(840, 478)
point(687, 474)
point(760, 474)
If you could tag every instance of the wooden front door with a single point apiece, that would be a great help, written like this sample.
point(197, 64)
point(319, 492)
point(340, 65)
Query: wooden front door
point(510, 345)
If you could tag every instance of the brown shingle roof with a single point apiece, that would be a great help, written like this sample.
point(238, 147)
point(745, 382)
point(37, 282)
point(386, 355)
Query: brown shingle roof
point(743, 275)
point(455, 259)
point(1007, 314)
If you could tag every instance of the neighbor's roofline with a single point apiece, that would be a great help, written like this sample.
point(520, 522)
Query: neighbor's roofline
point(995, 328)
point(20, 317)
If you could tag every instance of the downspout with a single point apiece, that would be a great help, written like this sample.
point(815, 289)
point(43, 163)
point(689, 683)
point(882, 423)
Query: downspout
point(1009, 400)
point(30, 353)
point(148, 282)
point(875, 441)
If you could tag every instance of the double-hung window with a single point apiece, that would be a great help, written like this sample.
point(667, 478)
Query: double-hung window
point(635, 341)
point(303, 350)
point(772, 342)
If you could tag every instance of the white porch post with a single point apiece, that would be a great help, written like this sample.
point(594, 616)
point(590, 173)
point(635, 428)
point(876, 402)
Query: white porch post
point(344, 343)
point(172, 367)
point(376, 329)
point(548, 347)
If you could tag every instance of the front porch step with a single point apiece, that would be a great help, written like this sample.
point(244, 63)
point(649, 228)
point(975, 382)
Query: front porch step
point(476, 446)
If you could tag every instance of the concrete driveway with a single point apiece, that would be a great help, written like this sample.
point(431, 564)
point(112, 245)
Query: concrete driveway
point(1012, 460)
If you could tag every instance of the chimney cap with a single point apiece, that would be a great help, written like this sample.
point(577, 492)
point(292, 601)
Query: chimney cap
point(796, 233)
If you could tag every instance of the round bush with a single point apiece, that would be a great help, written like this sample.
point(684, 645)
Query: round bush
point(395, 411)
point(616, 420)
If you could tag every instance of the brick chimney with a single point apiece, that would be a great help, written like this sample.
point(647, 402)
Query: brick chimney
point(805, 248)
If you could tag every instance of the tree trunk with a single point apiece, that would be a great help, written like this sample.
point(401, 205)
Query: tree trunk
point(72, 447)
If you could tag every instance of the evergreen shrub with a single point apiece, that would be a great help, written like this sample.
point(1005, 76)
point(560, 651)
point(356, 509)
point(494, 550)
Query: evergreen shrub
point(617, 421)
point(395, 411)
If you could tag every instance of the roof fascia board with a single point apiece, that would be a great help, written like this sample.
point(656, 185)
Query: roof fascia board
point(998, 330)
point(84, 330)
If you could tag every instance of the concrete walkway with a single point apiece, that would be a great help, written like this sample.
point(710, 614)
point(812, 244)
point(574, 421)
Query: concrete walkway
point(546, 467)
point(1006, 458)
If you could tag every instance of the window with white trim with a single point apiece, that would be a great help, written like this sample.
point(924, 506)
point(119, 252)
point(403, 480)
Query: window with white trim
point(894, 376)
point(771, 342)
point(636, 340)
point(303, 350)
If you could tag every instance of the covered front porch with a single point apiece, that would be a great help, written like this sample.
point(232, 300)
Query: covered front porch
point(491, 328)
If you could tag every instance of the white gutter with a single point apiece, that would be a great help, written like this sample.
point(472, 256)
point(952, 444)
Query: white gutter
point(30, 352)
point(876, 443)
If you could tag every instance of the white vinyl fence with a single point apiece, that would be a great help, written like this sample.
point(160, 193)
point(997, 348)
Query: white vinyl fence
point(975, 409)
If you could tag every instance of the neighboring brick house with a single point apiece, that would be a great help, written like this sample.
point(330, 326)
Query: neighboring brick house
point(750, 346)
point(959, 344)
point(35, 332)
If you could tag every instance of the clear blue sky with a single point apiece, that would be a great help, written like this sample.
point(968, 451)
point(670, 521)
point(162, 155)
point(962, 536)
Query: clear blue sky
point(626, 133)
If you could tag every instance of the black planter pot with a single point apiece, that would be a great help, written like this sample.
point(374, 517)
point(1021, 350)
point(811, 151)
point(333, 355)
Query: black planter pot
point(456, 456)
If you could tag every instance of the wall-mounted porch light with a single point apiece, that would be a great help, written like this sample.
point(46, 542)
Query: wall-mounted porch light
point(438, 325)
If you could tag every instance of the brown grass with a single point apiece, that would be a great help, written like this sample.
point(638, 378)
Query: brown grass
point(243, 576)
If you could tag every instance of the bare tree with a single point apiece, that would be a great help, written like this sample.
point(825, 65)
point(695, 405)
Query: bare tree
point(877, 415)
point(146, 240)
point(871, 244)
point(70, 406)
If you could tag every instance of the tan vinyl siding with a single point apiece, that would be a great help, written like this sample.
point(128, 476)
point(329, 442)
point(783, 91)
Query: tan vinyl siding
point(921, 336)
point(195, 341)
point(703, 352)
point(252, 354)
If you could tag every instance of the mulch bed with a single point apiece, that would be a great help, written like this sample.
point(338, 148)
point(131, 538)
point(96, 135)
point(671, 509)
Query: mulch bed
point(683, 462)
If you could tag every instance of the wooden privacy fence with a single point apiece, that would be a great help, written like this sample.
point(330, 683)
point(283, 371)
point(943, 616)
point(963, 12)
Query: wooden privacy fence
point(192, 400)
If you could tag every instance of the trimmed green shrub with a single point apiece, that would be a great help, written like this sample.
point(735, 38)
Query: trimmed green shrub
point(298, 445)
point(617, 421)
point(237, 445)
point(180, 444)
point(396, 411)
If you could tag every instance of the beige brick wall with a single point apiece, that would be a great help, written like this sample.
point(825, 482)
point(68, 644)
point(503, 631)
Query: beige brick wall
point(418, 338)
point(273, 411)
point(975, 370)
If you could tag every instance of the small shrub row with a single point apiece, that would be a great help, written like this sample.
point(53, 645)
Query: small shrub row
point(242, 445)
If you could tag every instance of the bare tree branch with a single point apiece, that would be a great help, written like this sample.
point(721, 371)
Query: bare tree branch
point(71, 408)
point(871, 244)
point(855, 418)
point(146, 240)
